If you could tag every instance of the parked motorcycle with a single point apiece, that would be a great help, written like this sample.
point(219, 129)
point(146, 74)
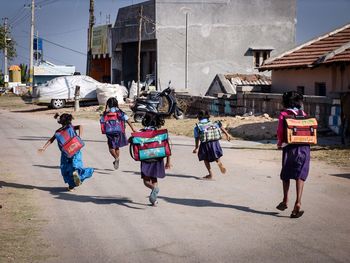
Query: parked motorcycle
point(152, 102)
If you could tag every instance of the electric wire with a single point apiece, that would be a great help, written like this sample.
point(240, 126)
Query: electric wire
point(61, 61)
point(61, 46)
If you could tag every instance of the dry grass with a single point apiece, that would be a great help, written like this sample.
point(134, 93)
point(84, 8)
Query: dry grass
point(334, 155)
point(20, 223)
point(12, 102)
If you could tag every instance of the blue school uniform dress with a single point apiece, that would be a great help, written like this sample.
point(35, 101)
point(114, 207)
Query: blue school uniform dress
point(153, 169)
point(116, 141)
point(75, 163)
point(295, 157)
point(208, 151)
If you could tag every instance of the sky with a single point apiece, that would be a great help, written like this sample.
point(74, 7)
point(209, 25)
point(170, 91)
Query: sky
point(65, 23)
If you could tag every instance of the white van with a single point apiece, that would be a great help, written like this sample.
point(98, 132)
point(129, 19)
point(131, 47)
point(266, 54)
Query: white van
point(58, 91)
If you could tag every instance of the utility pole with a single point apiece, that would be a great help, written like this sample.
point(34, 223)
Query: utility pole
point(6, 74)
point(139, 51)
point(186, 53)
point(31, 55)
point(37, 49)
point(91, 25)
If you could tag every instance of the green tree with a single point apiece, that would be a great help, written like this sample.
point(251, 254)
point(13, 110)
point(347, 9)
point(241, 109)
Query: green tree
point(11, 49)
point(24, 73)
point(1, 79)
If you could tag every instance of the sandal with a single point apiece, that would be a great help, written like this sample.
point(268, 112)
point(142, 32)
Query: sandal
point(282, 206)
point(296, 214)
point(76, 178)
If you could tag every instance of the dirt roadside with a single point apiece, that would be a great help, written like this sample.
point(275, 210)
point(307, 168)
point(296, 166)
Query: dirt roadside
point(20, 222)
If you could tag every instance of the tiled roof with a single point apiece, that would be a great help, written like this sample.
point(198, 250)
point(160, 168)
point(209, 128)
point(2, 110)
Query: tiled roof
point(248, 79)
point(331, 47)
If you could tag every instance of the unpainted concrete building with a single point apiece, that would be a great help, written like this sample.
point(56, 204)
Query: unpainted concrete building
point(189, 42)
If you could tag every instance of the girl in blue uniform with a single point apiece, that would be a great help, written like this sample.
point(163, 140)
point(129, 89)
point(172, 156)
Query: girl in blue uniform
point(151, 171)
point(116, 141)
point(71, 168)
point(209, 151)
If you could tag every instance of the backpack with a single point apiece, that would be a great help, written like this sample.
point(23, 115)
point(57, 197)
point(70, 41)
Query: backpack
point(209, 131)
point(112, 123)
point(149, 145)
point(68, 141)
point(300, 129)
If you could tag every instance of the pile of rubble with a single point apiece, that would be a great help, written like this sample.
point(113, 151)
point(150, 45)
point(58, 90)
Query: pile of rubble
point(252, 127)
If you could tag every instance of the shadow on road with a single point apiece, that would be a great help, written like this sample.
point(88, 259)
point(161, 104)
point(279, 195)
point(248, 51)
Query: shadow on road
point(347, 176)
point(167, 174)
point(31, 110)
point(97, 170)
point(270, 147)
point(62, 194)
point(32, 138)
point(209, 203)
point(42, 138)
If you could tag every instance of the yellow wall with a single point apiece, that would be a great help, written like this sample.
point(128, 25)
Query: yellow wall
point(15, 76)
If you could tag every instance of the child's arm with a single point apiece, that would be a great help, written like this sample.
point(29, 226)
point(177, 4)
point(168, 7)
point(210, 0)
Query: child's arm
point(167, 164)
point(131, 126)
point(228, 137)
point(280, 131)
point(196, 142)
point(80, 129)
point(51, 140)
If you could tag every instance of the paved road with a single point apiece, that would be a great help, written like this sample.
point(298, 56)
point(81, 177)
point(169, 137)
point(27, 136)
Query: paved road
point(231, 219)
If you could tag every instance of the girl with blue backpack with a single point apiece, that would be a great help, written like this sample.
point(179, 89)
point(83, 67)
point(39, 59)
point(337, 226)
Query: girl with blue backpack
point(207, 135)
point(69, 144)
point(113, 125)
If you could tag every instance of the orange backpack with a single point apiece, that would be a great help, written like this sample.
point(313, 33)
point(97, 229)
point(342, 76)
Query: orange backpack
point(300, 129)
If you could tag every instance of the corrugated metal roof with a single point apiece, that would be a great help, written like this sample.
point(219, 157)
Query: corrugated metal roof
point(331, 47)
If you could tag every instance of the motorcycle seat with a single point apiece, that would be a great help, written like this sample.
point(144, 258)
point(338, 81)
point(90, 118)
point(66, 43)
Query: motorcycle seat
point(148, 101)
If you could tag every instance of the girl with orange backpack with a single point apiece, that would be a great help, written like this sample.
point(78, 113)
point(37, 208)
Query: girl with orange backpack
point(295, 155)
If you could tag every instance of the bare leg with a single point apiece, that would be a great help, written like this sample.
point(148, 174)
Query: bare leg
point(296, 213)
point(221, 166)
point(207, 165)
point(284, 204)
point(299, 187)
point(114, 153)
point(148, 183)
point(286, 184)
point(151, 183)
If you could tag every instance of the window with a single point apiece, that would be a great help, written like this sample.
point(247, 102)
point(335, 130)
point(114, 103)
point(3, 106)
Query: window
point(301, 90)
point(260, 56)
point(266, 55)
point(320, 89)
point(257, 59)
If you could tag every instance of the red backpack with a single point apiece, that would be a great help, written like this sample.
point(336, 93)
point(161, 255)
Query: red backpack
point(112, 123)
point(68, 141)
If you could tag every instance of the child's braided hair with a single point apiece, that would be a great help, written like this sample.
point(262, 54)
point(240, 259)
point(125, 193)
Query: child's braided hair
point(64, 119)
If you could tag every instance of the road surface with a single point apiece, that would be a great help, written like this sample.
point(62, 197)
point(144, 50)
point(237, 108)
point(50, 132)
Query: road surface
point(230, 219)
